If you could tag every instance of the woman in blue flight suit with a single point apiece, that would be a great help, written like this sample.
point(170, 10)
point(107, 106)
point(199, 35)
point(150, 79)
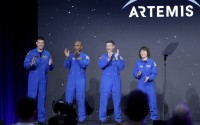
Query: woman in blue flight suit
point(145, 71)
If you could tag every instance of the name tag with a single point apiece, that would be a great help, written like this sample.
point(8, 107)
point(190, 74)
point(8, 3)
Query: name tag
point(148, 66)
point(45, 57)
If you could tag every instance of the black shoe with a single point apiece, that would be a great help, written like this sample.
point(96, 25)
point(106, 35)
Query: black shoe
point(41, 123)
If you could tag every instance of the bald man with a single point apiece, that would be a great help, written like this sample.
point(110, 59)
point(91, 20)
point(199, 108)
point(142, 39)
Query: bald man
point(77, 63)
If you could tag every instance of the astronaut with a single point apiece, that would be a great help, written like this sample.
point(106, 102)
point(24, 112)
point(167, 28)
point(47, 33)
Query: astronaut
point(145, 71)
point(38, 61)
point(111, 64)
point(77, 63)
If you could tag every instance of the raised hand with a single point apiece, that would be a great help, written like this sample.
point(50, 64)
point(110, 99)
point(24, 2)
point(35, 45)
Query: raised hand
point(146, 79)
point(110, 55)
point(117, 54)
point(77, 55)
point(33, 61)
point(50, 61)
point(66, 52)
point(139, 73)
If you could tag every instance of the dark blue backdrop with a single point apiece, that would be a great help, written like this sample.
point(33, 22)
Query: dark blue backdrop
point(96, 21)
point(18, 30)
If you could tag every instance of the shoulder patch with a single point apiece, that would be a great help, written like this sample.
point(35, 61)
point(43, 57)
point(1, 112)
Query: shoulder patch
point(87, 57)
point(154, 64)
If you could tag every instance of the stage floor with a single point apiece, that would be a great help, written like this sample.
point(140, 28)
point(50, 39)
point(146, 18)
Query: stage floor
point(113, 123)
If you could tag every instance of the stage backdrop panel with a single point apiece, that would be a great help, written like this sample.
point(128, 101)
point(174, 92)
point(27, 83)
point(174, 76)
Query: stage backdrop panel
point(96, 21)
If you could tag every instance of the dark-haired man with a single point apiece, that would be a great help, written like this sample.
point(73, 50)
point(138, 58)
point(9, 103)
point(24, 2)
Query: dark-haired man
point(111, 64)
point(38, 61)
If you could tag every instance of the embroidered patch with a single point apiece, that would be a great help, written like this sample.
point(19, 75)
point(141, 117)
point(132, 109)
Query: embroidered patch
point(45, 57)
point(154, 64)
point(80, 58)
point(148, 66)
point(87, 57)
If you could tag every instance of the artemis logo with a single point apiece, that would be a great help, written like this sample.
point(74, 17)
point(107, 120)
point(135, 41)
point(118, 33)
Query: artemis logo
point(161, 11)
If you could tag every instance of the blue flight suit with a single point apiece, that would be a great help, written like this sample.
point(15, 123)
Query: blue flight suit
point(77, 81)
point(149, 69)
point(110, 82)
point(37, 80)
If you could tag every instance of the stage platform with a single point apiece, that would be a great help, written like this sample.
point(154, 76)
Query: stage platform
point(113, 123)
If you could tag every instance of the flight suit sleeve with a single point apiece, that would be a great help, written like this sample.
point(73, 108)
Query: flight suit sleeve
point(120, 63)
point(67, 62)
point(51, 67)
point(135, 71)
point(154, 72)
point(28, 60)
point(84, 62)
point(103, 62)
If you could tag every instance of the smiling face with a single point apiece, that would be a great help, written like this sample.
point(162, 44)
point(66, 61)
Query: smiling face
point(143, 54)
point(77, 46)
point(110, 47)
point(40, 44)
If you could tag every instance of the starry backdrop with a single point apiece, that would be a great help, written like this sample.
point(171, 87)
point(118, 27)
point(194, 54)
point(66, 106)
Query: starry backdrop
point(96, 21)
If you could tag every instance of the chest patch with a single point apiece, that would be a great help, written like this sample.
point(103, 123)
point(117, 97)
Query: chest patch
point(148, 66)
point(80, 58)
point(44, 57)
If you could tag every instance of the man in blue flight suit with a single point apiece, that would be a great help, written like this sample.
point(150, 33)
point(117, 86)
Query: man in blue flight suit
point(38, 61)
point(77, 63)
point(111, 64)
point(145, 71)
